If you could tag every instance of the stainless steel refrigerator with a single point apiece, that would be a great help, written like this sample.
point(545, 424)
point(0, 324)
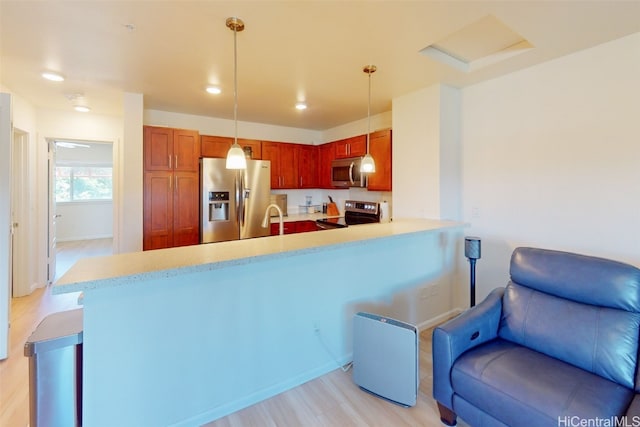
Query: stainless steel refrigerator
point(233, 202)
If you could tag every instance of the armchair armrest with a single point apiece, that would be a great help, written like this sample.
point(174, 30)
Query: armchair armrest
point(633, 411)
point(475, 326)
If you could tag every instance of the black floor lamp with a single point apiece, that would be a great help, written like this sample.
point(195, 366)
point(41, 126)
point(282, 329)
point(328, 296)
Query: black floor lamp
point(472, 251)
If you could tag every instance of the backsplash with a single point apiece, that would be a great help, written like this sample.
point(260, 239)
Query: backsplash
point(296, 198)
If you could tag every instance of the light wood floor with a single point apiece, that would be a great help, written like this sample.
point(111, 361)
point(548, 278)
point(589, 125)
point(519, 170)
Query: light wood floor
point(25, 315)
point(334, 400)
point(331, 400)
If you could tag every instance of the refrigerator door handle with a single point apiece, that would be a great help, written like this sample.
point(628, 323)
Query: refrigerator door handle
point(238, 199)
point(241, 200)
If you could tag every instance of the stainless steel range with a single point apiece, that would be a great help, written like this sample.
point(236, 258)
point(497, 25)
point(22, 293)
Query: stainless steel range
point(355, 212)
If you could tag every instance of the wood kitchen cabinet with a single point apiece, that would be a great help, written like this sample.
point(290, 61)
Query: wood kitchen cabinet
point(218, 146)
point(355, 146)
point(167, 149)
point(171, 206)
point(284, 163)
point(293, 227)
point(326, 154)
point(380, 150)
point(307, 166)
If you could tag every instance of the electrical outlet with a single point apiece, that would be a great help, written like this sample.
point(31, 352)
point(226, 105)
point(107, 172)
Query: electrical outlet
point(316, 328)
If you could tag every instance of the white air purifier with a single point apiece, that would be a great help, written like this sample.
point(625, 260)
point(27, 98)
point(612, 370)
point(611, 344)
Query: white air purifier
point(386, 358)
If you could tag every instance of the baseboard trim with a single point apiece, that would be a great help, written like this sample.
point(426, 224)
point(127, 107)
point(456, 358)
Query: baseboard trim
point(434, 321)
point(78, 238)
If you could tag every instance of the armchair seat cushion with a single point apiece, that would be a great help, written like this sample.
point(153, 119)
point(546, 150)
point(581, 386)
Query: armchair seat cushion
point(520, 386)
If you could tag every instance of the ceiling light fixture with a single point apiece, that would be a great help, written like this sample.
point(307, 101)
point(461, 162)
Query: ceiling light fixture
point(81, 108)
point(368, 165)
point(215, 90)
point(235, 156)
point(54, 77)
point(301, 106)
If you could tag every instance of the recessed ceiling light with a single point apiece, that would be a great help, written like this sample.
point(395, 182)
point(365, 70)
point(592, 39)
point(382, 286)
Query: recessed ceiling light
point(54, 77)
point(301, 106)
point(214, 90)
point(82, 108)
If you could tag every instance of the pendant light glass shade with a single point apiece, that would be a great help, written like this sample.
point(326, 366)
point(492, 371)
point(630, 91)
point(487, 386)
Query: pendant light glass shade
point(235, 156)
point(367, 164)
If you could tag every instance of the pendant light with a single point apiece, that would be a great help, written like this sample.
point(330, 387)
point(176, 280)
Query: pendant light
point(235, 156)
point(368, 165)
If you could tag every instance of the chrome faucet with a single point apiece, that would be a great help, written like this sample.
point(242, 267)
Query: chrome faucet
point(265, 220)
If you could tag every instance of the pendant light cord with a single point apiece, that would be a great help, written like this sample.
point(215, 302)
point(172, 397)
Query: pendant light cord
point(369, 114)
point(235, 85)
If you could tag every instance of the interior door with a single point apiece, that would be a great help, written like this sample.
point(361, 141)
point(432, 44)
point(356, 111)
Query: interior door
point(6, 229)
point(20, 283)
point(52, 215)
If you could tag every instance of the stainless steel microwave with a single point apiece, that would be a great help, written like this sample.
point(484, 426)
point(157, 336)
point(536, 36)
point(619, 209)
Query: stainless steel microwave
point(346, 173)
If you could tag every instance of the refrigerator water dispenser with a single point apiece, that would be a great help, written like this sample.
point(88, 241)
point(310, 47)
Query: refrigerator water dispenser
point(218, 206)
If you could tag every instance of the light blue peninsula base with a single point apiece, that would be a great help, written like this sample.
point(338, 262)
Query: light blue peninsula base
point(183, 336)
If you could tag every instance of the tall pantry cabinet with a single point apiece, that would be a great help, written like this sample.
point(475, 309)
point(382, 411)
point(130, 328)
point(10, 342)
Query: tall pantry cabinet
point(171, 214)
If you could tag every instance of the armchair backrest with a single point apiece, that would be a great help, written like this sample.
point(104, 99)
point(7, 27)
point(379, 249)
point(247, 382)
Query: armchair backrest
point(580, 309)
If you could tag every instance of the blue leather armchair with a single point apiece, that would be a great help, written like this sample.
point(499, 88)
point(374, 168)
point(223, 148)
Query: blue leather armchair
point(557, 347)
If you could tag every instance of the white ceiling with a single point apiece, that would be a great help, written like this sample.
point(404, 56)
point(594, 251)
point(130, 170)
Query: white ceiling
point(289, 51)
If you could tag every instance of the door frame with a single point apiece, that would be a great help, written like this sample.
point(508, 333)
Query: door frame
point(51, 203)
point(5, 219)
point(51, 211)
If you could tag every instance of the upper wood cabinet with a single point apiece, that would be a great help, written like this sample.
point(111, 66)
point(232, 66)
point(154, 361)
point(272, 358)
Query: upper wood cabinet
point(307, 166)
point(215, 146)
point(326, 154)
point(167, 149)
point(284, 163)
point(218, 146)
point(380, 150)
point(355, 146)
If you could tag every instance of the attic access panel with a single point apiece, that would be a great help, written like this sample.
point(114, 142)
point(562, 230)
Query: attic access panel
point(478, 45)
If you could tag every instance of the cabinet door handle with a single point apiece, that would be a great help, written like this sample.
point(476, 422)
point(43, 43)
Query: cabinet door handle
point(176, 161)
point(169, 161)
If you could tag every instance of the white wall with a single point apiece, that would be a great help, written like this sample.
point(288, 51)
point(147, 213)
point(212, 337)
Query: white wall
point(551, 159)
point(129, 227)
point(84, 220)
point(426, 154)
point(378, 122)
point(427, 178)
point(223, 127)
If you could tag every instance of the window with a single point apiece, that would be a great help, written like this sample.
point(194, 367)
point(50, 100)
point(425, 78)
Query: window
point(83, 183)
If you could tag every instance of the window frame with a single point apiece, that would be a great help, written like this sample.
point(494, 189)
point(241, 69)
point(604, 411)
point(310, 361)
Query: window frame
point(77, 165)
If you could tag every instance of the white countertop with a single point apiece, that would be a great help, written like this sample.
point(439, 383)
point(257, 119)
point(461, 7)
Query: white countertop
point(117, 270)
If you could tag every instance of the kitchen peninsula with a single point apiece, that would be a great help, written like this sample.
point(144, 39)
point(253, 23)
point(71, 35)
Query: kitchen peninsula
point(185, 335)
